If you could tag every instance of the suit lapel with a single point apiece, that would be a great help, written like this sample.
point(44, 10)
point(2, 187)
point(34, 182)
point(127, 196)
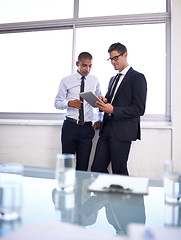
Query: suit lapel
point(110, 86)
point(111, 83)
point(123, 81)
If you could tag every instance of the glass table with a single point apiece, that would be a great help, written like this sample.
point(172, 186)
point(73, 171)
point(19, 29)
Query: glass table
point(106, 212)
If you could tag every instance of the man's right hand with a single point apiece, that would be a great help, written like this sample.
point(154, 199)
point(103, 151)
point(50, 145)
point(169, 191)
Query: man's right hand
point(75, 103)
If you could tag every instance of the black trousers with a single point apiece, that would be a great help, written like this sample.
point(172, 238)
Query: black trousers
point(77, 140)
point(109, 149)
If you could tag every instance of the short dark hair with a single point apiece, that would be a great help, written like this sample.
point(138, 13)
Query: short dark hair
point(120, 48)
point(84, 55)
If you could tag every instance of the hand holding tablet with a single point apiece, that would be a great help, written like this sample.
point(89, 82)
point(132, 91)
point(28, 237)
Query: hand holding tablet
point(90, 98)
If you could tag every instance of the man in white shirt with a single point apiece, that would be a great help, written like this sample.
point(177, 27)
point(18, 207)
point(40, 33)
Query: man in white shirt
point(77, 136)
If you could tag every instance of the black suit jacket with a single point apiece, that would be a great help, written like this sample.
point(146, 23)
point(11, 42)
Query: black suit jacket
point(129, 104)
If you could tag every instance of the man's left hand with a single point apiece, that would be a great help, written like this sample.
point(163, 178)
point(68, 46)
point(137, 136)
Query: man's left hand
point(97, 125)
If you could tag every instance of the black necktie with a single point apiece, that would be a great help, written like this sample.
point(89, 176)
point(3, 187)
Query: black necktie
point(113, 87)
point(81, 111)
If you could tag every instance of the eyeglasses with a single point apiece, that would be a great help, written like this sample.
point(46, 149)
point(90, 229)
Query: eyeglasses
point(116, 57)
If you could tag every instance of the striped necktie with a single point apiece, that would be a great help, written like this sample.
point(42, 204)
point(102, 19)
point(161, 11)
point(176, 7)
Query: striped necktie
point(113, 87)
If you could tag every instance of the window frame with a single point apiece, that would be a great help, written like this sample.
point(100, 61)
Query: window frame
point(76, 22)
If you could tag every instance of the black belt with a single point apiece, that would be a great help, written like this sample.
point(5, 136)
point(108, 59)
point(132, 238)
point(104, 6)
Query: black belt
point(78, 122)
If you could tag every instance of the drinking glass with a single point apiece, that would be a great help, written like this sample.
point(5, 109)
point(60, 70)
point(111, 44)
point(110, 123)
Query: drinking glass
point(172, 182)
point(65, 172)
point(11, 176)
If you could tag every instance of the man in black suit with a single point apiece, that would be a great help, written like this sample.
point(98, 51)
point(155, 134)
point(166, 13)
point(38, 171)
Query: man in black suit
point(123, 105)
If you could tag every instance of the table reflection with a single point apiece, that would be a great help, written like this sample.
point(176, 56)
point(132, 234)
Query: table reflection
point(81, 206)
point(172, 216)
point(97, 211)
point(9, 226)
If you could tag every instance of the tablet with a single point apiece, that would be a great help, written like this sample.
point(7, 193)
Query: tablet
point(90, 98)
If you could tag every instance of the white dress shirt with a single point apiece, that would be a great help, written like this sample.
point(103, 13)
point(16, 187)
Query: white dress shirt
point(69, 90)
point(123, 73)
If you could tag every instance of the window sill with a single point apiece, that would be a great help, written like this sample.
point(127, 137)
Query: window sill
point(156, 125)
point(31, 122)
point(144, 124)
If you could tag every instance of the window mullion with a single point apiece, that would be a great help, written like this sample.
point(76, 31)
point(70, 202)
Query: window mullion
point(76, 9)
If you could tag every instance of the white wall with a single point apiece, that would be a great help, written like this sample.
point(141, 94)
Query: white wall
point(32, 145)
point(37, 144)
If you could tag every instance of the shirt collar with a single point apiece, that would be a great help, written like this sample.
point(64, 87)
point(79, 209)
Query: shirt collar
point(79, 76)
point(124, 71)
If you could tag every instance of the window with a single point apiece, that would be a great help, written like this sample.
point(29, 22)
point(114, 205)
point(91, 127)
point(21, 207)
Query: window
point(34, 10)
point(119, 7)
point(36, 55)
point(32, 65)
